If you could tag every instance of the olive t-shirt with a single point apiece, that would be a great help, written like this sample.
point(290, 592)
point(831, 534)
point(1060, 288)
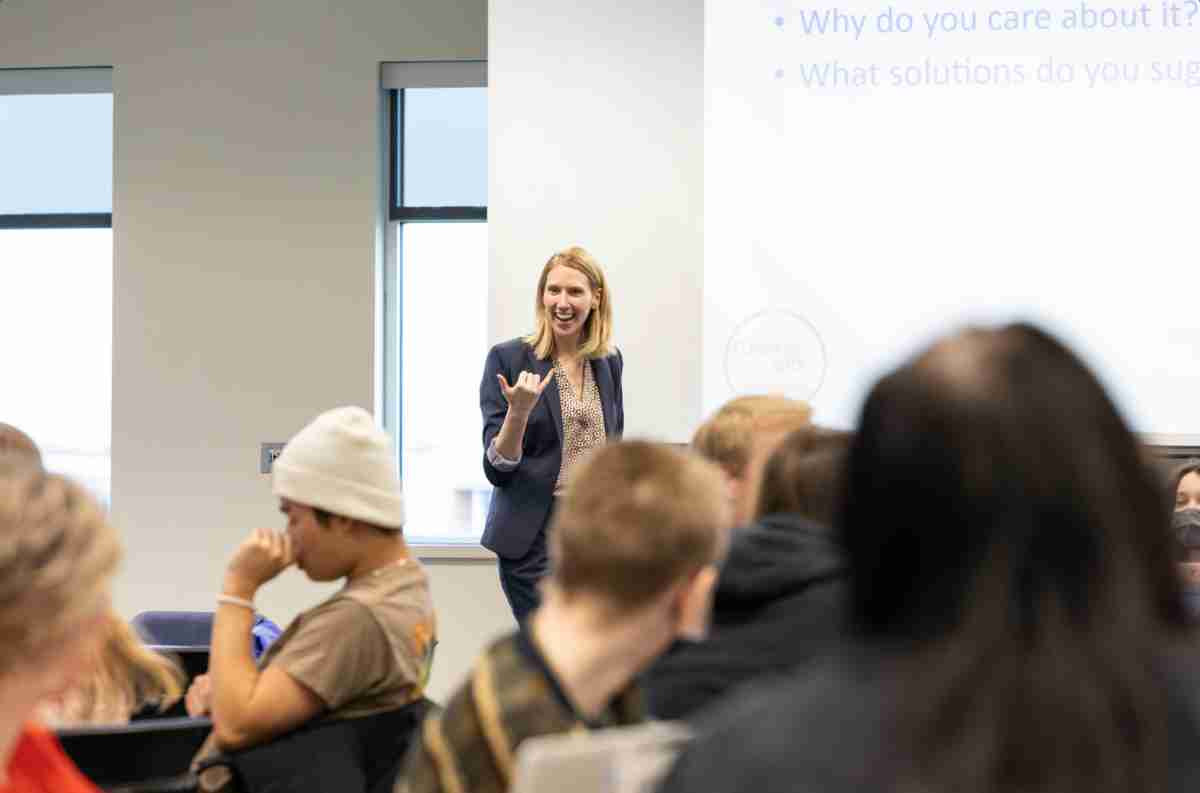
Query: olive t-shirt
point(367, 649)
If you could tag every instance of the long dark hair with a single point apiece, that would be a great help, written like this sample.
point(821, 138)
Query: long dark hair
point(1006, 542)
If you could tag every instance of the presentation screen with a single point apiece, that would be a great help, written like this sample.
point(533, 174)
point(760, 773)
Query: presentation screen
point(877, 174)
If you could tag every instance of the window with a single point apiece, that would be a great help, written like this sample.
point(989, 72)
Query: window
point(435, 295)
point(56, 144)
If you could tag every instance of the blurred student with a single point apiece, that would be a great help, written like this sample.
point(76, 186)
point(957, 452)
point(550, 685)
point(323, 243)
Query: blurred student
point(1185, 486)
point(16, 446)
point(122, 678)
point(634, 547)
point(119, 676)
point(740, 436)
point(1185, 526)
point(363, 651)
point(1184, 493)
point(778, 602)
point(57, 557)
point(1017, 624)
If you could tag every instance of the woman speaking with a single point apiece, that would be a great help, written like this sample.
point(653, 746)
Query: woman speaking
point(546, 398)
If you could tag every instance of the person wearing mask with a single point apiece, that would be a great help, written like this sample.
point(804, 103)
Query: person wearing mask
point(1015, 621)
point(547, 399)
point(1185, 524)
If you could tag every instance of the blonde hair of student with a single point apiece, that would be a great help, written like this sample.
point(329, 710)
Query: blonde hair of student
point(597, 331)
point(637, 518)
point(58, 553)
point(727, 437)
point(16, 446)
point(123, 676)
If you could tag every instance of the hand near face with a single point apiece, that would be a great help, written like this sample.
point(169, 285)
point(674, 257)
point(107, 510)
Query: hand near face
point(523, 395)
point(261, 556)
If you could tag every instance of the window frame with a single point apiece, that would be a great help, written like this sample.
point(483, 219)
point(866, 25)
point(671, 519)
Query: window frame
point(395, 79)
point(60, 81)
point(72, 80)
point(397, 212)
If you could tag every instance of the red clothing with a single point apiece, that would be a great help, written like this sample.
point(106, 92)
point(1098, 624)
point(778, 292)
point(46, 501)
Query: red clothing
point(39, 765)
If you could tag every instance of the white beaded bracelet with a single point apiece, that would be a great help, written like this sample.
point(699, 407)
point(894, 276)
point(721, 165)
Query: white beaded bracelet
point(235, 601)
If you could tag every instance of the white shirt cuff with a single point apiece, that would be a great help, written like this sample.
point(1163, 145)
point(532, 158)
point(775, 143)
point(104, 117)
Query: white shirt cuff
point(499, 461)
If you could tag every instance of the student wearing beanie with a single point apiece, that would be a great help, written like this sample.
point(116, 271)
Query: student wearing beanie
point(365, 650)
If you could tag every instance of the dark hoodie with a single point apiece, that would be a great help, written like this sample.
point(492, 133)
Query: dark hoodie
point(777, 605)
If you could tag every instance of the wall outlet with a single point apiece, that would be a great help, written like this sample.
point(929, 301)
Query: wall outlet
point(266, 456)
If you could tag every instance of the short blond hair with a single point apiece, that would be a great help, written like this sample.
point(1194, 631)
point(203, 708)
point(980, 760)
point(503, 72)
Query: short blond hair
point(637, 518)
point(597, 330)
point(727, 437)
point(58, 553)
point(16, 446)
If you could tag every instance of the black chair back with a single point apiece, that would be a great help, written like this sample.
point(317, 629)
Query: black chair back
point(194, 661)
point(144, 755)
point(349, 755)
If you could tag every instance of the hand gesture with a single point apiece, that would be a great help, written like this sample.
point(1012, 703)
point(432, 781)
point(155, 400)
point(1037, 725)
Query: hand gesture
point(261, 556)
point(199, 697)
point(523, 394)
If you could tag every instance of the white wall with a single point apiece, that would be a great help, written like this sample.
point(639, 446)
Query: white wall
point(245, 205)
point(597, 139)
point(246, 195)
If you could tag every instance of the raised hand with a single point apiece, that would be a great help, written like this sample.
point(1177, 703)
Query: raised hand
point(523, 395)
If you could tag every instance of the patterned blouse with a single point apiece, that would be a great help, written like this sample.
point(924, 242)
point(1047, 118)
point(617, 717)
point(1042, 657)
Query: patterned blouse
point(582, 418)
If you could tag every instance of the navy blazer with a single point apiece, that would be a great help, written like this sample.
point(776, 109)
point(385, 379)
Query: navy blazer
point(522, 498)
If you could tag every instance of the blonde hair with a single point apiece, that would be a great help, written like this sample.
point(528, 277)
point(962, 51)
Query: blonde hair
point(597, 330)
point(123, 677)
point(16, 446)
point(727, 437)
point(58, 553)
point(636, 518)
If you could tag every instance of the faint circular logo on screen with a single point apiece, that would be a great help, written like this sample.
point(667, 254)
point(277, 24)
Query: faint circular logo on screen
point(775, 352)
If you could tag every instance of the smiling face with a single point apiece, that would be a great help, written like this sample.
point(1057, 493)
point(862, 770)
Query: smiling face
point(568, 299)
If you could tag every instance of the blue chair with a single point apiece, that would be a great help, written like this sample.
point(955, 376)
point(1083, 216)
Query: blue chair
point(194, 629)
point(175, 628)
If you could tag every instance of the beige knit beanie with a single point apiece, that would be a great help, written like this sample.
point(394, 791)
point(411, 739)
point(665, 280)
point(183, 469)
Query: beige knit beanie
point(343, 463)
